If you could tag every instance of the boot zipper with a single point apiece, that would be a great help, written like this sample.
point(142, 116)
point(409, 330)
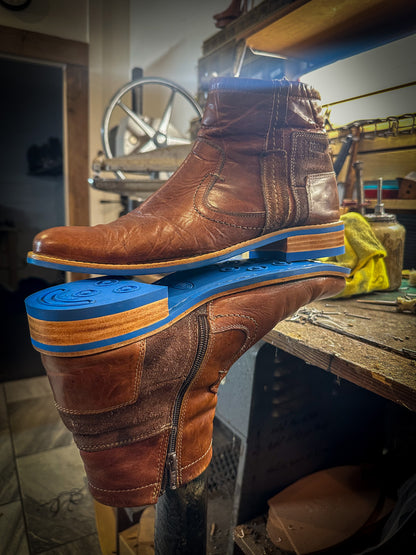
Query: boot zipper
point(170, 478)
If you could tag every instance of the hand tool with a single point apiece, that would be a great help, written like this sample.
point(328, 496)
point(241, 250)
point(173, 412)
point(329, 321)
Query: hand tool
point(402, 304)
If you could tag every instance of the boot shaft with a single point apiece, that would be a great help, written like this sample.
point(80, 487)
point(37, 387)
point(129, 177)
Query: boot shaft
point(142, 415)
point(273, 153)
point(250, 108)
point(260, 163)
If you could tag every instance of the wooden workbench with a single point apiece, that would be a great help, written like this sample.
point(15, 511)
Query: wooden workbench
point(381, 357)
point(374, 347)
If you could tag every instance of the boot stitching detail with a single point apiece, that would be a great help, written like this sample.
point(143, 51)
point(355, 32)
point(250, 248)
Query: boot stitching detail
point(136, 388)
point(122, 490)
point(122, 443)
point(200, 458)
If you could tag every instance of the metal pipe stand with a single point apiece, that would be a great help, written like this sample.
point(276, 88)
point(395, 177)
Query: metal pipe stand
point(181, 519)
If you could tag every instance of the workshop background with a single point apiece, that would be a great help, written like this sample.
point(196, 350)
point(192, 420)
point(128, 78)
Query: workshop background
point(52, 101)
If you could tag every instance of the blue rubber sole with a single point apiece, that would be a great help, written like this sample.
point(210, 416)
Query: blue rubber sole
point(323, 241)
point(96, 314)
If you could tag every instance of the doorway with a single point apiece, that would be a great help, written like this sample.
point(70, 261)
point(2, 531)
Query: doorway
point(31, 194)
point(44, 171)
point(31, 177)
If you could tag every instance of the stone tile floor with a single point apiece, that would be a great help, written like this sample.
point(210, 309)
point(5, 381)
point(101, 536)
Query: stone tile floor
point(44, 503)
point(45, 507)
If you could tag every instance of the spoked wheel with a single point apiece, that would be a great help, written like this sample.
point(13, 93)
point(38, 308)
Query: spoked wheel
point(133, 122)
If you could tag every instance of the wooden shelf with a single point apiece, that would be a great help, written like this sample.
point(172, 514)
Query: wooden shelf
point(387, 157)
point(374, 359)
point(324, 29)
point(396, 204)
point(317, 31)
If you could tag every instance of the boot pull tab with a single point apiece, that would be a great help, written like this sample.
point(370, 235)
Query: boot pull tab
point(282, 90)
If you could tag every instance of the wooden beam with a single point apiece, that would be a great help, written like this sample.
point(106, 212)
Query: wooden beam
point(27, 44)
point(76, 99)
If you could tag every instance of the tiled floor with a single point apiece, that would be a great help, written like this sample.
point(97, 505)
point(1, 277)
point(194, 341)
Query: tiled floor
point(44, 503)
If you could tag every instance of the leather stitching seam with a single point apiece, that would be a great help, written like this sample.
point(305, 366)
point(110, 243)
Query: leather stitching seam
point(141, 349)
point(294, 158)
point(121, 490)
point(268, 190)
point(215, 175)
point(226, 223)
point(102, 446)
point(200, 458)
point(242, 349)
point(307, 96)
point(160, 467)
point(239, 316)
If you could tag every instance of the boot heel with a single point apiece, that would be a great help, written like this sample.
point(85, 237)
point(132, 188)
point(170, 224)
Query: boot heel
point(92, 315)
point(306, 245)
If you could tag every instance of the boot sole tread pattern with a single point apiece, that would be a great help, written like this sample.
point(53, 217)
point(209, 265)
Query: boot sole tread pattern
point(290, 245)
point(99, 314)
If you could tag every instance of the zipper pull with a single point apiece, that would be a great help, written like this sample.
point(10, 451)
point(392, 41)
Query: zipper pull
point(172, 465)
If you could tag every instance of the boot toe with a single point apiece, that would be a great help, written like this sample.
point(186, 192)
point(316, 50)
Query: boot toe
point(62, 242)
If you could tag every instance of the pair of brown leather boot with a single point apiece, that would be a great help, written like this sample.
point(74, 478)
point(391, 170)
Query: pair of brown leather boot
point(135, 373)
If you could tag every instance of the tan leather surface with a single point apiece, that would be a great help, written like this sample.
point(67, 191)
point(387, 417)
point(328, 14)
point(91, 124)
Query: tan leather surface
point(197, 415)
point(127, 476)
point(236, 323)
point(100, 383)
point(245, 176)
point(322, 194)
point(168, 358)
point(124, 446)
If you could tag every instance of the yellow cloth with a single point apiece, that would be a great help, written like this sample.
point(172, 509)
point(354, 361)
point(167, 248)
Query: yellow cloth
point(364, 255)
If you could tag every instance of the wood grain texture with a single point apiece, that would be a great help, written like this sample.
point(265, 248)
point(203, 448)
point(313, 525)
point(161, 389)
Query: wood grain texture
point(77, 172)
point(97, 329)
point(29, 44)
point(301, 243)
point(311, 29)
point(375, 368)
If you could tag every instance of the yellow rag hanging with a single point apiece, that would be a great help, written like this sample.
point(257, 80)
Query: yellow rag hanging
point(364, 255)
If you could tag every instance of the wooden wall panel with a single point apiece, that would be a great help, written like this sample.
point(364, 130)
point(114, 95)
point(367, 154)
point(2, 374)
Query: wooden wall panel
point(76, 86)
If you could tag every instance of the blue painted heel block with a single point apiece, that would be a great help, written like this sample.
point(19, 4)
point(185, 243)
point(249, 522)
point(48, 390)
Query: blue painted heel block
point(148, 307)
point(296, 256)
point(92, 298)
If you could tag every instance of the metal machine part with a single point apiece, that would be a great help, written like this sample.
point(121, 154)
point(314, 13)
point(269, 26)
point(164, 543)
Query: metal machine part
point(143, 128)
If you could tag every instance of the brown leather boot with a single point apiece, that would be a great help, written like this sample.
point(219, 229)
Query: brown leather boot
point(234, 10)
point(142, 414)
point(259, 174)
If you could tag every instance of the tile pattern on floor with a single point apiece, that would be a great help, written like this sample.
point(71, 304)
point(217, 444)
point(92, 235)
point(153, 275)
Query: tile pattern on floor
point(45, 506)
point(83, 546)
point(36, 426)
point(8, 479)
point(12, 530)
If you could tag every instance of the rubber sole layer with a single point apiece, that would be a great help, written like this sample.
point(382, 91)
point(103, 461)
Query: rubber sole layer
point(98, 314)
point(290, 245)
